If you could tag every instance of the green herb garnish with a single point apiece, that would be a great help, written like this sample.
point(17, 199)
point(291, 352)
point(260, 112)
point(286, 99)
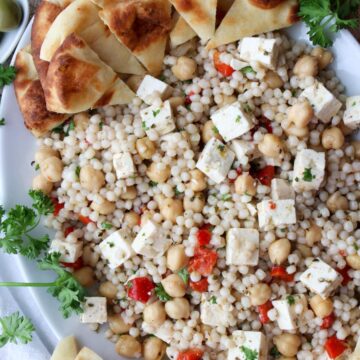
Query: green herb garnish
point(249, 354)
point(290, 300)
point(213, 300)
point(248, 70)
point(215, 130)
point(184, 274)
point(221, 148)
point(2, 122)
point(238, 119)
point(77, 171)
point(156, 112)
point(106, 225)
point(143, 125)
point(7, 75)
point(152, 183)
point(307, 175)
point(161, 293)
point(226, 197)
point(274, 352)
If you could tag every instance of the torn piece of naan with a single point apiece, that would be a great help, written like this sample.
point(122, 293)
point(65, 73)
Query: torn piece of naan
point(142, 26)
point(76, 17)
point(253, 17)
point(110, 50)
point(30, 96)
point(181, 33)
point(199, 14)
point(77, 79)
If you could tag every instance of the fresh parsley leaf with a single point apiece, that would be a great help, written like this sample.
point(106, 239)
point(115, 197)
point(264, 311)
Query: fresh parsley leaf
point(290, 300)
point(307, 175)
point(274, 352)
point(77, 171)
point(221, 148)
point(156, 112)
point(226, 197)
point(152, 183)
point(238, 119)
point(177, 192)
point(41, 202)
point(65, 128)
point(2, 122)
point(249, 354)
point(184, 274)
point(70, 127)
point(215, 130)
point(248, 70)
point(101, 125)
point(161, 293)
point(106, 226)
point(15, 329)
point(247, 108)
point(213, 300)
point(7, 75)
point(143, 125)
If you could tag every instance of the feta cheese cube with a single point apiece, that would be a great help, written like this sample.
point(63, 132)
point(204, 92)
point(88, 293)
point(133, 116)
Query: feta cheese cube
point(215, 160)
point(321, 278)
point(242, 247)
point(151, 241)
point(290, 311)
point(213, 313)
point(252, 340)
point(233, 120)
point(124, 165)
point(276, 212)
point(95, 311)
point(70, 252)
point(323, 101)
point(116, 248)
point(152, 88)
point(309, 170)
point(352, 112)
point(245, 151)
point(237, 64)
point(159, 118)
point(264, 51)
point(164, 332)
point(281, 190)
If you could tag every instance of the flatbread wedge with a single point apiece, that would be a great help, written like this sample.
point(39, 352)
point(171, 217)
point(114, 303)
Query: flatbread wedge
point(30, 97)
point(253, 17)
point(181, 33)
point(87, 354)
point(77, 79)
point(199, 14)
point(76, 17)
point(142, 26)
point(66, 349)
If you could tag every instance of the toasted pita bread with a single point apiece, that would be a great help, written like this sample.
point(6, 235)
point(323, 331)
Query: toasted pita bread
point(77, 79)
point(110, 50)
point(87, 354)
point(199, 14)
point(76, 17)
point(142, 26)
point(30, 96)
point(253, 17)
point(181, 33)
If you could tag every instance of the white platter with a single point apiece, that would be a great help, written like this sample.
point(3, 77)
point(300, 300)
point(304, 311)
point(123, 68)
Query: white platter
point(17, 147)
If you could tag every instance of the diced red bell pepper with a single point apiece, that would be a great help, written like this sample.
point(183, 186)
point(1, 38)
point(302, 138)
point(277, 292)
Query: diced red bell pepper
point(57, 206)
point(78, 264)
point(345, 275)
point(264, 122)
point(140, 289)
point(85, 220)
point(221, 67)
point(342, 253)
point(203, 261)
point(279, 272)
point(200, 286)
point(328, 321)
point(204, 235)
point(190, 354)
point(263, 310)
point(264, 175)
point(188, 98)
point(69, 230)
point(335, 347)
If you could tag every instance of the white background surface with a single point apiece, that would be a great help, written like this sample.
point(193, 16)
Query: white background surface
point(17, 147)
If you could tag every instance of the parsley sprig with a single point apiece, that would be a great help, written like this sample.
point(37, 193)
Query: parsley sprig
point(2, 122)
point(161, 293)
point(7, 75)
point(249, 353)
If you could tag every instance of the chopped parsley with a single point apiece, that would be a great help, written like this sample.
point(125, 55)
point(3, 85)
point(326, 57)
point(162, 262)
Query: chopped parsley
point(101, 125)
point(152, 183)
point(215, 130)
point(249, 354)
point(77, 171)
point(162, 77)
point(274, 352)
point(2, 122)
point(354, 103)
point(143, 125)
point(184, 274)
point(221, 148)
point(65, 128)
point(238, 119)
point(307, 175)
point(111, 244)
point(247, 108)
point(161, 293)
point(226, 197)
point(356, 247)
point(297, 179)
point(177, 192)
point(293, 92)
point(156, 112)
point(248, 70)
point(7, 75)
point(106, 225)
point(290, 300)
point(213, 300)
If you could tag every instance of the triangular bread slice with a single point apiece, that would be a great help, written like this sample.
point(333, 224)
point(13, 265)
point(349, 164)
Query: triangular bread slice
point(181, 33)
point(76, 17)
point(142, 26)
point(110, 50)
point(199, 14)
point(249, 17)
point(30, 96)
point(77, 79)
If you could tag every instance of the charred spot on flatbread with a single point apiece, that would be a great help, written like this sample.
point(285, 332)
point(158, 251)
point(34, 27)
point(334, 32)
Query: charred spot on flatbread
point(294, 14)
point(266, 4)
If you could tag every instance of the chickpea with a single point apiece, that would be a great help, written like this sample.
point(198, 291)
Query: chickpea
point(117, 324)
point(272, 146)
point(321, 307)
point(304, 250)
point(185, 68)
point(178, 308)
point(134, 81)
point(307, 65)
point(145, 148)
point(176, 258)
point(130, 193)
point(174, 285)
point(176, 101)
point(313, 234)
point(170, 209)
point(228, 99)
point(197, 182)
point(132, 218)
point(287, 344)
point(85, 276)
point(332, 138)
point(90, 257)
point(91, 179)
point(195, 203)
point(128, 346)
point(245, 184)
point(154, 348)
point(40, 183)
point(301, 114)
point(259, 294)
point(81, 121)
point(156, 174)
point(279, 251)
point(146, 216)
point(324, 57)
point(154, 314)
point(108, 290)
point(209, 131)
point(273, 80)
point(356, 146)
point(291, 129)
point(51, 168)
point(45, 152)
point(353, 261)
point(337, 202)
point(104, 208)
